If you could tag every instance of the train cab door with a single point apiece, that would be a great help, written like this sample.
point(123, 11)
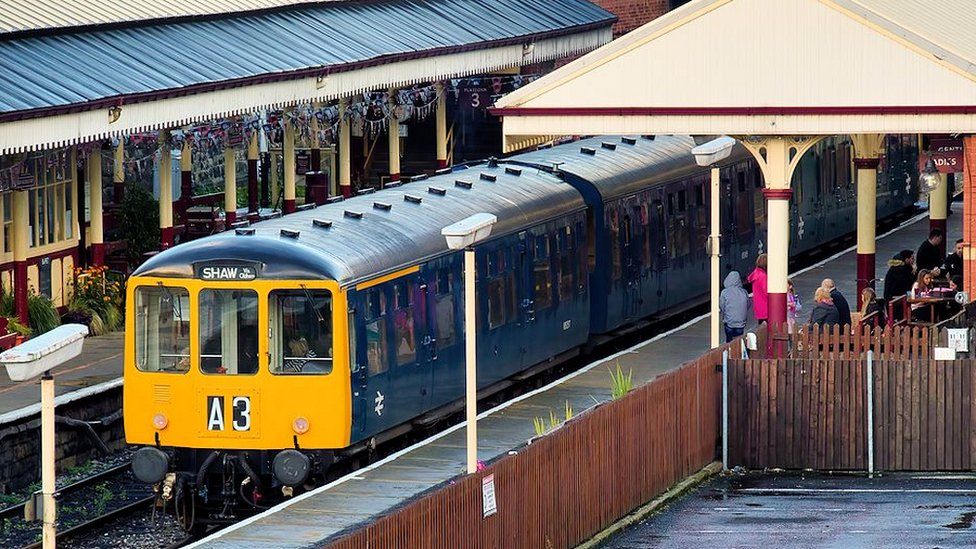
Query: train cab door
point(371, 372)
point(660, 254)
point(524, 297)
point(411, 362)
point(631, 266)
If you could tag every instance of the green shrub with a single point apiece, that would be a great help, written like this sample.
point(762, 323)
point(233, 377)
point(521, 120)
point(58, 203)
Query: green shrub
point(42, 313)
point(139, 221)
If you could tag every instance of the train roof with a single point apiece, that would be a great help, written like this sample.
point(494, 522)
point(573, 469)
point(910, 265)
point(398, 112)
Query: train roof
point(377, 233)
point(618, 166)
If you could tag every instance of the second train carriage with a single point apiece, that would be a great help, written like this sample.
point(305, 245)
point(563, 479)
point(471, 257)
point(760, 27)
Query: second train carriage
point(253, 357)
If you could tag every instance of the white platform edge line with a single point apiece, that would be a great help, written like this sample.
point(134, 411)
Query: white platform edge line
point(217, 535)
point(35, 409)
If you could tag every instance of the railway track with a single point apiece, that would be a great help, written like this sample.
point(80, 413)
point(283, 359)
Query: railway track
point(82, 506)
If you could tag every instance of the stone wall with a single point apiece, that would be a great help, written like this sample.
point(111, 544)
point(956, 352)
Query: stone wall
point(20, 441)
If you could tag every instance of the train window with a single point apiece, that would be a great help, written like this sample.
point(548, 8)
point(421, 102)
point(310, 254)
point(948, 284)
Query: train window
point(541, 247)
point(565, 277)
point(301, 331)
point(615, 245)
point(406, 343)
point(511, 297)
point(375, 303)
point(376, 353)
point(628, 230)
point(162, 336)
point(444, 278)
point(741, 178)
point(590, 240)
point(496, 303)
point(401, 295)
point(228, 331)
point(445, 320)
point(542, 285)
point(670, 204)
point(700, 195)
point(682, 200)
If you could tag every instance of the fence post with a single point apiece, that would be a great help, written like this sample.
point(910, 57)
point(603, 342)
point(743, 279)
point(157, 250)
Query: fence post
point(725, 410)
point(870, 413)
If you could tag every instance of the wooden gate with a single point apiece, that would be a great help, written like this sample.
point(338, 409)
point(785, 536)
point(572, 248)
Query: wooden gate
point(812, 413)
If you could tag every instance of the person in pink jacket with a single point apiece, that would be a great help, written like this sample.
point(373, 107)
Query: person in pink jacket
point(760, 293)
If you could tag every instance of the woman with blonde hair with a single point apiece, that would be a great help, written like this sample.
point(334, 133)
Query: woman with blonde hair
point(824, 311)
point(870, 305)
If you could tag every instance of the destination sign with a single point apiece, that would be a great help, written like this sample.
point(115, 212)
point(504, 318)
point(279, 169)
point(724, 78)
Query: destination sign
point(227, 272)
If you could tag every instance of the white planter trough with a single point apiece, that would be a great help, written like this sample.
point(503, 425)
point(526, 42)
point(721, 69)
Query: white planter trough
point(40, 354)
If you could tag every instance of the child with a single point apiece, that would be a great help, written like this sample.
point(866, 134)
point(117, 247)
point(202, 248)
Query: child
point(793, 305)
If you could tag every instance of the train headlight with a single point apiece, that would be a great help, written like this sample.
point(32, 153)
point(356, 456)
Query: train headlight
point(149, 464)
point(300, 426)
point(160, 421)
point(291, 467)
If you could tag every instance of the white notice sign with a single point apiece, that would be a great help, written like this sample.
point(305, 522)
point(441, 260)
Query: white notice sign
point(488, 495)
point(959, 339)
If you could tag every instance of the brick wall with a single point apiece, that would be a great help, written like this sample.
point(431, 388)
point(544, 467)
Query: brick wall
point(20, 442)
point(634, 13)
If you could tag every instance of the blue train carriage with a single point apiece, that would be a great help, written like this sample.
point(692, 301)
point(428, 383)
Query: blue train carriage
point(332, 326)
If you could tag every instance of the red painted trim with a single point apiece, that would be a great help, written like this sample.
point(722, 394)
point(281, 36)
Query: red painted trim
point(776, 322)
point(166, 238)
point(867, 163)
point(118, 100)
point(865, 274)
point(31, 261)
point(98, 254)
point(441, 163)
point(20, 291)
point(229, 219)
point(345, 190)
point(731, 111)
point(777, 194)
point(394, 177)
point(289, 206)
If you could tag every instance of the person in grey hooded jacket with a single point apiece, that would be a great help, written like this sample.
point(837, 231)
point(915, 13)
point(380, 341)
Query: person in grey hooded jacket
point(733, 304)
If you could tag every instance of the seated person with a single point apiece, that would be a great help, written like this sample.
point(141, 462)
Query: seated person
point(298, 352)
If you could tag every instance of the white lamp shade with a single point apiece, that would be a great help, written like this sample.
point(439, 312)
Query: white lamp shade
point(714, 151)
point(468, 231)
point(40, 354)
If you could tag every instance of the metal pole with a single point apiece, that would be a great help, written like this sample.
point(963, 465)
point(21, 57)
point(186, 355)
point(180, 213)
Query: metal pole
point(470, 356)
point(725, 410)
point(47, 459)
point(716, 254)
point(870, 414)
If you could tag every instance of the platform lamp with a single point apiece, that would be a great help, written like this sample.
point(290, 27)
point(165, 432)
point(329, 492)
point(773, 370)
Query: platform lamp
point(710, 154)
point(463, 235)
point(37, 357)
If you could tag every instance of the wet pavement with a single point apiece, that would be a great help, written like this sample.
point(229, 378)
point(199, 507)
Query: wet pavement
point(797, 511)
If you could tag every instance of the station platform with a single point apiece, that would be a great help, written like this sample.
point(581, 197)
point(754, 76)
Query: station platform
point(757, 510)
point(368, 493)
point(99, 367)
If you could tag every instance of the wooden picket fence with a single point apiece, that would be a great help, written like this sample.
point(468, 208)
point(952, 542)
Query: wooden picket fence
point(568, 485)
point(813, 414)
point(843, 342)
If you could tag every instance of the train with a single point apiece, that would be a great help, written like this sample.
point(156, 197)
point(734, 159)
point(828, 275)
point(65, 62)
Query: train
point(258, 357)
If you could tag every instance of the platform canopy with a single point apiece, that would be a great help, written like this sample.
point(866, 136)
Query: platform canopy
point(766, 67)
point(99, 69)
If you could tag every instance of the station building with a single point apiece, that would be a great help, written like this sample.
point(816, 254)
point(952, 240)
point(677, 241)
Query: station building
point(238, 110)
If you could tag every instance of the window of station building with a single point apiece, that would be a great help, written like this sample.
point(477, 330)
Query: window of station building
point(8, 222)
point(444, 309)
point(301, 331)
point(162, 336)
point(51, 217)
point(228, 322)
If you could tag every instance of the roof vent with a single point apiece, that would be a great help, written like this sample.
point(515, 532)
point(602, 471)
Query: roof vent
point(648, 137)
point(352, 215)
point(437, 190)
point(289, 233)
point(608, 145)
point(367, 190)
point(385, 206)
point(306, 207)
point(412, 199)
point(513, 171)
point(393, 184)
point(418, 177)
point(492, 162)
point(443, 171)
point(244, 232)
point(321, 223)
point(334, 199)
point(463, 184)
point(588, 150)
point(489, 177)
point(628, 140)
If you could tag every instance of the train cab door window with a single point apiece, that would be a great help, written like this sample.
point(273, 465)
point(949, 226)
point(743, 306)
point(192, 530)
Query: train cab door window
point(646, 242)
point(444, 305)
point(541, 274)
point(377, 346)
point(301, 331)
point(614, 225)
point(497, 295)
point(228, 331)
point(162, 337)
point(404, 329)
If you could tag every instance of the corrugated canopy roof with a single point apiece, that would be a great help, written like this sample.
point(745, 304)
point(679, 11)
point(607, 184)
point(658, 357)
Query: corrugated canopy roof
point(76, 68)
point(788, 67)
point(34, 15)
